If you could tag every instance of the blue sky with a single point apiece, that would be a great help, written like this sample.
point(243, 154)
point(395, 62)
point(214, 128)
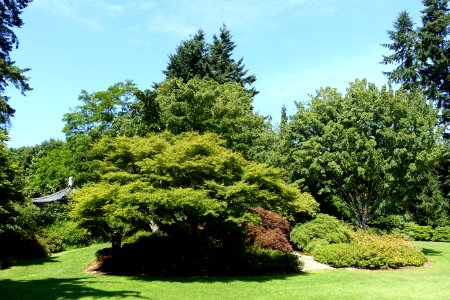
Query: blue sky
point(294, 47)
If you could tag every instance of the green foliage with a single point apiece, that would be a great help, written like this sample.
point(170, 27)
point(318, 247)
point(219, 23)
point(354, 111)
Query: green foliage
point(418, 232)
point(441, 234)
point(204, 105)
point(369, 151)
point(422, 55)
point(404, 40)
point(370, 251)
point(62, 236)
point(322, 228)
point(121, 109)
point(47, 167)
point(10, 74)
point(186, 185)
point(195, 58)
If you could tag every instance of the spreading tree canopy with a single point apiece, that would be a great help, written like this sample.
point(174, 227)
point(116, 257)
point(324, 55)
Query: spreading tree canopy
point(368, 151)
point(187, 185)
point(9, 73)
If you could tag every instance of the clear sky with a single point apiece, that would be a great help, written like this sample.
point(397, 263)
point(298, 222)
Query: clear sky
point(294, 47)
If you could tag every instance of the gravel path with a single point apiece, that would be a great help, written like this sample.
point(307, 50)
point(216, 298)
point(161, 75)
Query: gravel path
point(311, 264)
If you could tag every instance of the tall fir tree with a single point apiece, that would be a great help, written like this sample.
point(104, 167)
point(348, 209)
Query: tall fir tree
point(221, 65)
point(9, 73)
point(404, 40)
point(189, 60)
point(434, 55)
point(196, 58)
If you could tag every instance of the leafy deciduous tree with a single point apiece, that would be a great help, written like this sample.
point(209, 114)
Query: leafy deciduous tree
point(369, 150)
point(188, 186)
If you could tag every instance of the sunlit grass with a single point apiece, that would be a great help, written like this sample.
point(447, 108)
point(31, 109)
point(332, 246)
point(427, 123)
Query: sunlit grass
point(61, 276)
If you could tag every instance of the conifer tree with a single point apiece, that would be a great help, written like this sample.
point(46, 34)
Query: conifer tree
point(196, 58)
point(434, 55)
point(403, 45)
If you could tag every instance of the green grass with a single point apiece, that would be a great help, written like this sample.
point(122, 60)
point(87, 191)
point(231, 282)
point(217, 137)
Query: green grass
point(60, 277)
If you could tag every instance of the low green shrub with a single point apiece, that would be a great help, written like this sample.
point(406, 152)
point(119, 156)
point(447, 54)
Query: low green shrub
point(64, 235)
point(323, 227)
point(370, 251)
point(315, 243)
point(418, 232)
point(441, 234)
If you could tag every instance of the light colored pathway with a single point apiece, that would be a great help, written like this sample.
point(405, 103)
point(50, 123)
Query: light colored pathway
point(310, 263)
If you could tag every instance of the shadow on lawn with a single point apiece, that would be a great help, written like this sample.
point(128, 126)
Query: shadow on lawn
point(53, 288)
point(431, 252)
point(215, 279)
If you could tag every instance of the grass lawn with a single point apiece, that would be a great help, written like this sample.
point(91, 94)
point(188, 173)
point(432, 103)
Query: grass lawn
point(61, 277)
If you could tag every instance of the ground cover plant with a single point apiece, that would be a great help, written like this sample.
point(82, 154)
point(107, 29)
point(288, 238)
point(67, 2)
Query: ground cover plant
point(61, 276)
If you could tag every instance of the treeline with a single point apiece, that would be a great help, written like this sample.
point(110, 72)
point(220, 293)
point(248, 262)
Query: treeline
point(190, 156)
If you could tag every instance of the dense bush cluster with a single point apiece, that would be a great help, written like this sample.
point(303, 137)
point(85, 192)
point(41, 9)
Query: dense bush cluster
point(158, 255)
point(370, 251)
point(324, 229)
point(397, 225)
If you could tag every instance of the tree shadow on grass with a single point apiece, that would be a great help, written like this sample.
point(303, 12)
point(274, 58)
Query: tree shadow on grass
point(215, 279)
point(431, 252)
point(52, 288)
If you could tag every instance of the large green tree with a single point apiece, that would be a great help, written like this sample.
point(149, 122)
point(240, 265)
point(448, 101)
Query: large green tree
point(204, 105)
point(188, 186)
point(9, 73)
point(121, 109)
point(368, 151)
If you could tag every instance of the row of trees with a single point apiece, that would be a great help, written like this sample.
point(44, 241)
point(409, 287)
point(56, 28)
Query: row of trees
point(182, 154)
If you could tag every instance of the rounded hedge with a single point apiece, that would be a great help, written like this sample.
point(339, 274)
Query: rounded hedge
point(323, 229)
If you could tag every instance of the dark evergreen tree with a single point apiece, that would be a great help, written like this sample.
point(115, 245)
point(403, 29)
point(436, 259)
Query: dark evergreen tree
point(196, 58)
point(403, 45)
point(434, 55)
point(10, 11)
point(189, 60)
point(221, 66)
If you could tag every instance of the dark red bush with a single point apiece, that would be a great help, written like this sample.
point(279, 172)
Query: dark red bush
point(271, 233)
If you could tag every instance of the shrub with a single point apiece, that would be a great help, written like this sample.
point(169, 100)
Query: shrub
point(159, 254)
point(272, 231)
point(64, 235)
point(370, 251)
point(441, 234)
point(323, 227)
point(389, 223)
point(418, 233)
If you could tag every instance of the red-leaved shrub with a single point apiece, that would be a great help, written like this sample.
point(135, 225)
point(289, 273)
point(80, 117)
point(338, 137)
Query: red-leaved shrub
point(271, 233)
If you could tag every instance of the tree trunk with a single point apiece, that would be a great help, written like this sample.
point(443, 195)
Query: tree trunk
point(116, 241)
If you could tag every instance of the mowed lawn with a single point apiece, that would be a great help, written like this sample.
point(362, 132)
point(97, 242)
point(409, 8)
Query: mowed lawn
point(61, 276)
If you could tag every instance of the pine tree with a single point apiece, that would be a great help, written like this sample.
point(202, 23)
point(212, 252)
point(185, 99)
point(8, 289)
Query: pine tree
point(9, 73)
point(189, 60)
point(196, 58)
point(221, 66)
point(403, 45)
point(434, 55)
